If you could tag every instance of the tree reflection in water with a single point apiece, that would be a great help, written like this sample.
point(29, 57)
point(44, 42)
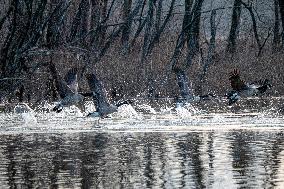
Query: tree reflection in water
point(143, 160)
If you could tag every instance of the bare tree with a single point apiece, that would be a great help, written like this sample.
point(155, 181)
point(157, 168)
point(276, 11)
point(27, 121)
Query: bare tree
point(141, 24)
point(81, 22)
point(126, 25)
point(116, 32)
point(100, 14)
point(260, 45)
point(148, 30)
point(5, 17)
point(153, 32)
point(193, 33)
point(235, 23)
point(159, 28)
point(54, 28)
point(281, 6)
point(211, 50)
point(27, 22)
point(190, 34)
point(93, 28)
point(276, 30)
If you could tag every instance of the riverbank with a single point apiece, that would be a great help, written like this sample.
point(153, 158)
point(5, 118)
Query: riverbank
point(124, 73)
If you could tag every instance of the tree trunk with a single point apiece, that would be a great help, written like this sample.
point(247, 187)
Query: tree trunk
point(211, 51)
point(276, 30)
point(235, 24)
point(141, 25)
point(254, 24)
point(190, 34)
point(158, 15)
point(5, 17)
point(99, 17)
point(116, 33)
point(148, 31)
point(104, 17)
point(254, 27)
point(160, 29)
point(126, 26)
point(25, 28)
point(54, 28)
point(186, 25)
point(281, 6)
point(193, 33)
point(81, 23)
point(146, 70)
point(188, 14)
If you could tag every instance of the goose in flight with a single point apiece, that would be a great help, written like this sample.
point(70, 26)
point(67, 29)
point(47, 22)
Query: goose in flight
point(240, 88)
point(67, 89)
point(103, 107)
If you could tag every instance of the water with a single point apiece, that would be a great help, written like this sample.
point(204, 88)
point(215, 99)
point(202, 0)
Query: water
point(160, 149)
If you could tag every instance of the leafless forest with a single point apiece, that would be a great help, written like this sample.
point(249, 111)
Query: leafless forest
point(139, 47)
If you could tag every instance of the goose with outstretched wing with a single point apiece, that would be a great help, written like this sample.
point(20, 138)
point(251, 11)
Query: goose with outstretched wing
point(240, 88)
point(67, 88)
point(103, 106)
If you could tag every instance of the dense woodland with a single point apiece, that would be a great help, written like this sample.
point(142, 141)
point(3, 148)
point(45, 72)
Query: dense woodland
point(139, 48)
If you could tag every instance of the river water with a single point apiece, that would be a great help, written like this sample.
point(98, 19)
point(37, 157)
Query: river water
point(137, 150)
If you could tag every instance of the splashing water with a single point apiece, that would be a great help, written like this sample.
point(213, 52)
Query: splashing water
point(185, 110)
point(172, 147)
point(25, 113)
point(29, 118)
point(142, 117)
point(145, 108)
point(127, 111)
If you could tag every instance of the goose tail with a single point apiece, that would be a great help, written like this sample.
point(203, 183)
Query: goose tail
point(266, 85)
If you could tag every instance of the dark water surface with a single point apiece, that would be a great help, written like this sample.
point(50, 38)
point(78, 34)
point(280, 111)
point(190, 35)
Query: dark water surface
point(240, 158)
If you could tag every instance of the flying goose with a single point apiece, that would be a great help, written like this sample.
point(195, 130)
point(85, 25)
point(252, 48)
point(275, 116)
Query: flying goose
point(67, 89)
point(240, 88)
point(103, 107)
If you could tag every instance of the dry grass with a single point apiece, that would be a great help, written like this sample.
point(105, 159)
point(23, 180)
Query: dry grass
point(120, 71)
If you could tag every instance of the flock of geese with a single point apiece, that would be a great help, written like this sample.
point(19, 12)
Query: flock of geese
point(67, 88)
point(68, 92)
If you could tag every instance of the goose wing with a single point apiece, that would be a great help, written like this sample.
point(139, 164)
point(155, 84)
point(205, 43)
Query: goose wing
point(62, 87)
point(71, 79)
point(256, 84)
point(261, 85)
point(99, 93)
point(237, 83)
